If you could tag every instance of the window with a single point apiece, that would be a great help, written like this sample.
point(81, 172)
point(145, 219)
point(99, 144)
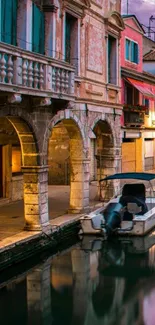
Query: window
point(38, 30)
point(132, 95)
point(131, 51)
point(129, 94)
point(112, 60)
point(9, 21)
point(71, 40)
point(146, 103)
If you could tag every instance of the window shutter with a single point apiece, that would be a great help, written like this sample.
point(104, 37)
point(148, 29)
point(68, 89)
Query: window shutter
point(136, 53)
point(127, 43)
point(9, 21)
point(109, 59)
point(14, 21)
point(132, 52)
point(38, 30)
point(67, 40)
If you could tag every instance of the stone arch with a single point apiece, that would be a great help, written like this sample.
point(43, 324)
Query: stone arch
point(103, 152)
point(108, 121)
point(23, 124)
point(34, 175)
point(61, 116)
point(79, 193)
point(29, 148)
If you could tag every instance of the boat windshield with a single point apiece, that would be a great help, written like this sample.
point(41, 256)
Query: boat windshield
point(129, 191)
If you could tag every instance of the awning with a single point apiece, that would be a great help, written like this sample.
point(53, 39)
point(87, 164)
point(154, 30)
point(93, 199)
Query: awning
point(142, 87)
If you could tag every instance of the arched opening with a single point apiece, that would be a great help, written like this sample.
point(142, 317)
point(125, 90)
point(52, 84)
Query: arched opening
point(11, 185)
point(20, 174)
point(67, 169)
point(102, 155)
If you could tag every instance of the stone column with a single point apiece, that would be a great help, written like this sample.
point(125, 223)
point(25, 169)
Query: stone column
point(39, 295)
point(79, 185)
point(110, 164)
point(36, 197)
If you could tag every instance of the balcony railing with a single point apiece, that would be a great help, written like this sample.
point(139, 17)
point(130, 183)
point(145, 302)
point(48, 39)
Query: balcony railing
point(34, 74)
point(134, 116)
point(135, 108)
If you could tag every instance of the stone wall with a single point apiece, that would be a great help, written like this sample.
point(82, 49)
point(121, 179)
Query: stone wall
point(17, 187)
point(58, 156)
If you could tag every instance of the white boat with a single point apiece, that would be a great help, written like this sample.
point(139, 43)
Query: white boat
point(130, 212)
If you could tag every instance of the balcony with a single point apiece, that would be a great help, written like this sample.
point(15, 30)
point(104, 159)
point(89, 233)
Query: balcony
point(134, 116)
point(33, 74)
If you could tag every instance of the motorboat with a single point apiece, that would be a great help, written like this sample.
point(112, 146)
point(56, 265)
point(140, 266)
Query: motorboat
point(130, 211)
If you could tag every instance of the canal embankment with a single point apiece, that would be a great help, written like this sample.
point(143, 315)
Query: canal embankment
point(25, 245)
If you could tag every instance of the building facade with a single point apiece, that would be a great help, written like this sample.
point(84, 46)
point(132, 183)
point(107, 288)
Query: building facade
point(60, 100)
point(138, 89)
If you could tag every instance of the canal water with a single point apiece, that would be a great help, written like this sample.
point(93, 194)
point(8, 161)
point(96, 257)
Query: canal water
point(93, 282)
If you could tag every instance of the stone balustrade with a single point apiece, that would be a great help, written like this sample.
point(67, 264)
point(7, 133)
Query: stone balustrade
point(30, 73)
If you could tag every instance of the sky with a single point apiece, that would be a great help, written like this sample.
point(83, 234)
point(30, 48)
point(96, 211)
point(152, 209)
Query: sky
point(143, 9)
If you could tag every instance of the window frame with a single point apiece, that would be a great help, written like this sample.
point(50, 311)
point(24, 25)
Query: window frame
point(67, 11)
point(117, 61)
point(131, 42)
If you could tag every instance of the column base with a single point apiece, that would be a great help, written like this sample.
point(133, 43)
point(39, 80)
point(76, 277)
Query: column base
point(45, 227)
point(79, 211)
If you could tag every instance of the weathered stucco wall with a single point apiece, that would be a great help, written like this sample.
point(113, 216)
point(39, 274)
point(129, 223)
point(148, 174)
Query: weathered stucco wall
point(132, 32)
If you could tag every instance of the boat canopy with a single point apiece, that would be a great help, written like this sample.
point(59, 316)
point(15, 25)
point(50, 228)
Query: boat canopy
point(141, 176)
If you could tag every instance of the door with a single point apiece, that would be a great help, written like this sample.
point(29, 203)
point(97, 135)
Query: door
point(1, 173)
point(149, 154)
point(128, 157)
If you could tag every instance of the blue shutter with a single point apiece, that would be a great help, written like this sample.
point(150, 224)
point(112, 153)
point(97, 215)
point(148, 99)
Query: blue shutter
point(136, 53)
point(132, 52)
point(127, 48)
point(9, 21)
point(38, 30)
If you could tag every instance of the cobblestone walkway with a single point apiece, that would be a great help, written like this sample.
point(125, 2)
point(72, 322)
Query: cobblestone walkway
point(12, 214)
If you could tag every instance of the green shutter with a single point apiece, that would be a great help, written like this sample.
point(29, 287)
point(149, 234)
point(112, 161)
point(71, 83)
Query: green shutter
point(38, 30)
point(9, 21)
point(68, 40)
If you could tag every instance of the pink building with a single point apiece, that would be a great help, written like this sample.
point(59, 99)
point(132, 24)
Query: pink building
point(138, 89)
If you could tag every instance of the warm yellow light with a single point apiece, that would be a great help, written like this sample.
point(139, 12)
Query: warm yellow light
point(16, 159)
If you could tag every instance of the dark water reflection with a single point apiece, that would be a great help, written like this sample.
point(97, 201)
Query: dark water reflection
point(92, 283)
